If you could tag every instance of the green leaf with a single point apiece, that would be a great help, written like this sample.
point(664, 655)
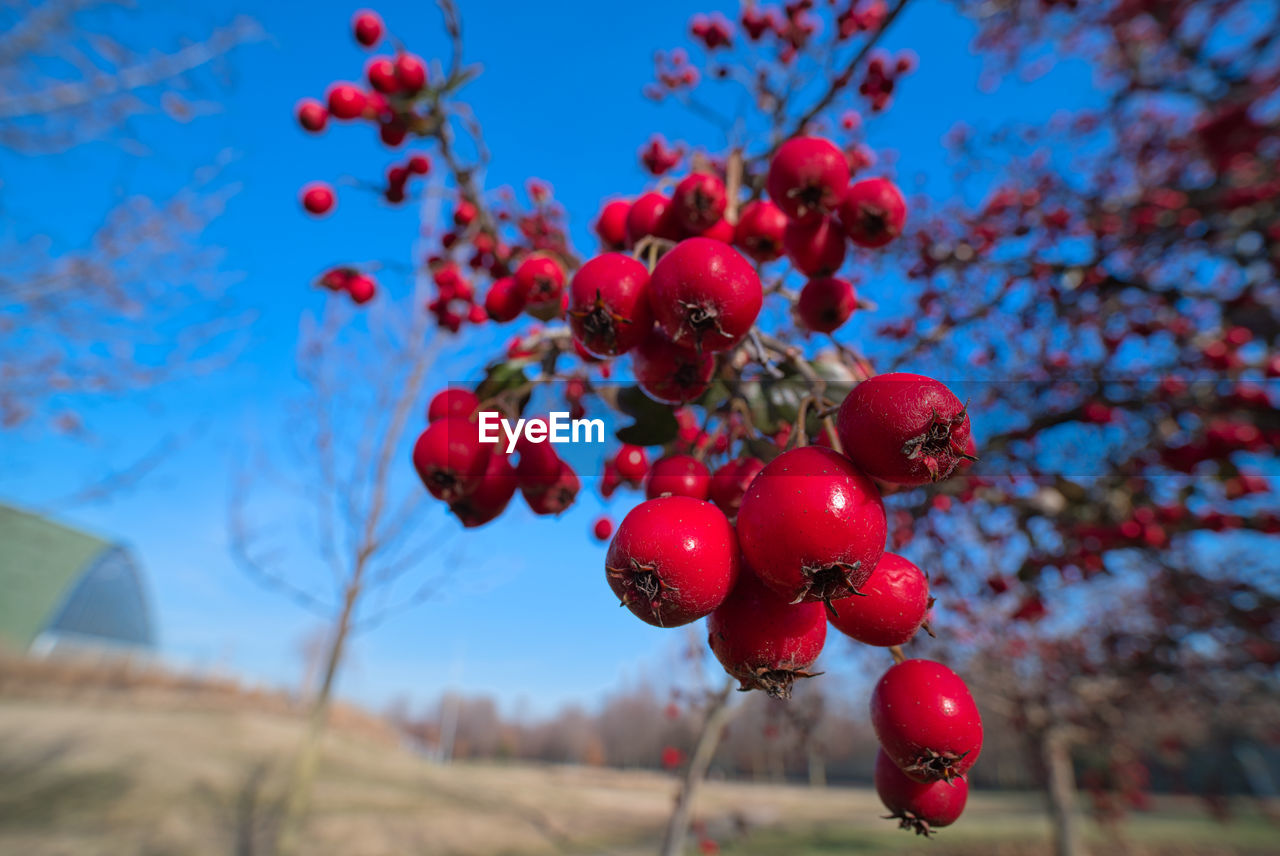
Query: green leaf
point(504, 376)
point(655, 424)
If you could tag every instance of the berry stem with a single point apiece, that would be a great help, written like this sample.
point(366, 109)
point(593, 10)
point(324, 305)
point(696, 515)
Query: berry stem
point(898, 656)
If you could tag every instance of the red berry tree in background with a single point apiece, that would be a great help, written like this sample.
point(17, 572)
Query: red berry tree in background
point(1113, 299)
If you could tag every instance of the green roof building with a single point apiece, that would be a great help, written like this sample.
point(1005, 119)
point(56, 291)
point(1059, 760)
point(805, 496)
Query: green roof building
point(62, 587)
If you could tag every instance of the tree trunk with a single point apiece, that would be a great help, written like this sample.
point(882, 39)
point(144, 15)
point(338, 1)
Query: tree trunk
point(1060, 789)
point(673, 841)
point(817, 768)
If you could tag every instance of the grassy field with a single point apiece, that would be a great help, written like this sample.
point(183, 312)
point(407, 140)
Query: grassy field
point(108, 778)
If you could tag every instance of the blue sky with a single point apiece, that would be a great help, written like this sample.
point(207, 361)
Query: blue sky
point(528, 618)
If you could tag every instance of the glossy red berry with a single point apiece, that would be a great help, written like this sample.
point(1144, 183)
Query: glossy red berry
point(602, 528)
point(312, 116)
point(454, 401)
point(705, 295)
point(631, 463)
point(491, 494)
point(668, 373)
point(649, 216)
point(541, 282)
point(318, 198)
point(807, 177)
point(698, 202)
point(539, 466)
point(609, 304)
point(411, 72)
point(381, 72)
point(760, 231)
point(764, 641)
point(904, 428)
point(826, 303)
point(367, 27)
point(916, 805)
point(669, 581)
point(892, 608)
point(722, 231)
point(873, 212)
point(611, 225)
point(504, 302)
point(729, 483)
point(555, 497)
point(361, 288)
point(678, 475)
point(346, 101)
point(816, 248)
point(813, 527)
point(926, 720)
point(450, 459)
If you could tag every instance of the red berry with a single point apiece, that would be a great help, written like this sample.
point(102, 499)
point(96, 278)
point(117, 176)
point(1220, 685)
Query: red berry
point(452, 402)
point(419, 164)
point(609, 304)
point(722, 231)
point(346, 101)
point(669, 581)
point(668, 373)
point(826, 303)
point(539, 466)
point(813, 527)
point(873, 212)
point(362, 289)
point(816, 248)
point(602, 528)
point(894, 604)
point(504, 302)
point(918, 806)
point(312, 116)
point(730, 482)
point(611, 225)
point(555, 497)
point(678, 475)
point(649, 215)
point(760, 231)
point(904, 428)
point(705, 295)
point(631, 463)
point(381, 72)
point(699, 202)
point(450, 459)
point(807, 177)
point(411, 71)
point(764, 641)
point(926, 720)
point(540, 281)
point(318, 198)
point(491, 495)
point(392, 133)
point(367, 27)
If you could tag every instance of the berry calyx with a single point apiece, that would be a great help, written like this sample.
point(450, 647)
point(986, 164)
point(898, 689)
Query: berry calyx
point(705, 295)
point(915, 805)
point(450, 459)
point(668, 581)
point(346, 101)
point(826, 303)
point(729, 483)
point(452, 402)
point(812, 525)
point(817, 247)
point(807, 177)
point(312, 116)
point(760, 230)
point(873, 212)
point(893, 605)
point(318, 198)
point(699, 202)
point(367, 27)
point(609, 304)
point(678, 475)
point(668, 373)
point(764, 641)
point(926, 721)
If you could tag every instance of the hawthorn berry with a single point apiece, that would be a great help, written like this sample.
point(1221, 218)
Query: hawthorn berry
point(894, 604)
point(807, 177)
point(361, 288)
point(411, 72)
point(873, 212)
point(631, 463)
point(312, 116)
point(668, 373)
point(450, 459)
point(318, 198)
point(504, 302)
point(904, 428)
point(367, 27)
point(722, 231)
point(698, 202)
point(346, 101)
point(609, 304)
point(540, 281)
point(555, 497)
point(678, 475)
point(539, 466)
point(826, 303)
point(419, 164)
point(669, 581)
point(392, 133)
point(705, 295)
point(602, 528)
point(381, 72)
point(926, 721)
point(760, 231)
point(764, 641)
point(491, 495)
point(454, 401)
point(611, 225)
point(812, 525)
point(729, 483)
point(816, 248)
point(649, 216)
point(916, 805)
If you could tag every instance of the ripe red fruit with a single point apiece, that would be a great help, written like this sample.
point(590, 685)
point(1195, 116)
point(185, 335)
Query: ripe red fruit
point(540, 282)
point(367, 27)
point(826, 303)
point(318, 198)
point(539, 466)
point(504, 302)
point(452, 402)
point(873, 212)
point(699, 202)
point(555, 497)
point(611, 225)
point(392, 133)
point(312, 116)
point(730, 482)
point(346, 101)
point(609, 304)
point(381, 72)
point(764, 641)
point(361, 288)
point(669, 581)
point(679, 475)
point(760, 231)
point(918, 806)
point(631, 463)
point(816, 248)
point(450, 459)
point(419, 164)
point(812, 526)
point(411, 72)
point(668, 373)
point(926, 720)
point(904, 428)
point(705, 295)
point(649, 215)
point(893, 606)
point(602, 528)
point(807, 177)
point(721, 231)
point(491, 494)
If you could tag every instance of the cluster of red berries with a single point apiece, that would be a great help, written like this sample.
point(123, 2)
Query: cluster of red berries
point(360, 286)
point(398, 176)
point(455, 301)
